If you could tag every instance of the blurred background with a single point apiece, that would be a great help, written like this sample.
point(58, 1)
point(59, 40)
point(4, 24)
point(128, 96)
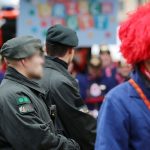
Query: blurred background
point(97, 65)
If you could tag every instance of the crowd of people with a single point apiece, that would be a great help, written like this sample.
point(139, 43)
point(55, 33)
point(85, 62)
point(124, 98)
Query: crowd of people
point(99, 77)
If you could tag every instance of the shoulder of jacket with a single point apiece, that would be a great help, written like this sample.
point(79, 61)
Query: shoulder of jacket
point(119, 94)
point(52, 74)
point(11, 88)
point(119, 98)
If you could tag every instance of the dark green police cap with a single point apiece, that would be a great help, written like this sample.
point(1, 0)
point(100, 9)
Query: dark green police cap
point(62, 35)
point(21, 47)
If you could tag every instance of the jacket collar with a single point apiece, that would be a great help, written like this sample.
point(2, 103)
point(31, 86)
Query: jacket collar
point(50, 63)
point(142, 81)
point(14, 75)
point(55, 59)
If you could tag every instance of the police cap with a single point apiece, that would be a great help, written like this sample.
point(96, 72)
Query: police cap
point(21, 47)
point(62, 35)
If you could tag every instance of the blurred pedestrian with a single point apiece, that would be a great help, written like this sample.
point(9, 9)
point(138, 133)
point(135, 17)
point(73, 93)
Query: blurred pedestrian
point(123, 71)
point(62, 89)
point(105, 56)
point(109, 69)
point(25, 123)
point(92, 86)
point(124, 120)
point(73, 68)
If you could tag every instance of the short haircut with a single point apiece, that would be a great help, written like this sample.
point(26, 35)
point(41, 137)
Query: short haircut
point(56, 49)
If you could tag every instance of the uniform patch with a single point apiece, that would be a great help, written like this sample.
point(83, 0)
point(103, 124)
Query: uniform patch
point(23, 100)
point(26, 108)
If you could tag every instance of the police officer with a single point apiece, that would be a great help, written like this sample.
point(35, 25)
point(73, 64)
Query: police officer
point(25, 123)
point(62, 89)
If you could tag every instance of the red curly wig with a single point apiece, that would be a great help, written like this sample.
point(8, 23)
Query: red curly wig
point(134, 34)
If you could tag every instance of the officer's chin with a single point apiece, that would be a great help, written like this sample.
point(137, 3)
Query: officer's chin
point(37, 76)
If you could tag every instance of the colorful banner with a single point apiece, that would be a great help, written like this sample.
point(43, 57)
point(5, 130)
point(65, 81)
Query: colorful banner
point(94, 20)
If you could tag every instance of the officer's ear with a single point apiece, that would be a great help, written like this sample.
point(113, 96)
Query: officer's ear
point(5, 60)
point(45, 50)
point(71, 50)
point(22, 61)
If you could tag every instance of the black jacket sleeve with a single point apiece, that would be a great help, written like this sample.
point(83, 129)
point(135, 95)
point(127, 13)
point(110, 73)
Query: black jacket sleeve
point(79, 124)
point(27, 131)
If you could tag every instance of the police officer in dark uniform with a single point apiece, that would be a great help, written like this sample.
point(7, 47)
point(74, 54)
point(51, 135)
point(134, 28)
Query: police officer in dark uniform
point(25, 123)
point(62, 89)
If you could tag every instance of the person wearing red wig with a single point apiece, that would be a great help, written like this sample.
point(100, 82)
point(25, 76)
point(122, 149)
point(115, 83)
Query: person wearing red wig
point(124, 119)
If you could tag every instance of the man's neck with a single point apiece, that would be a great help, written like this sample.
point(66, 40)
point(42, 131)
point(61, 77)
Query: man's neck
point(65, 59)
point(21, 71)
